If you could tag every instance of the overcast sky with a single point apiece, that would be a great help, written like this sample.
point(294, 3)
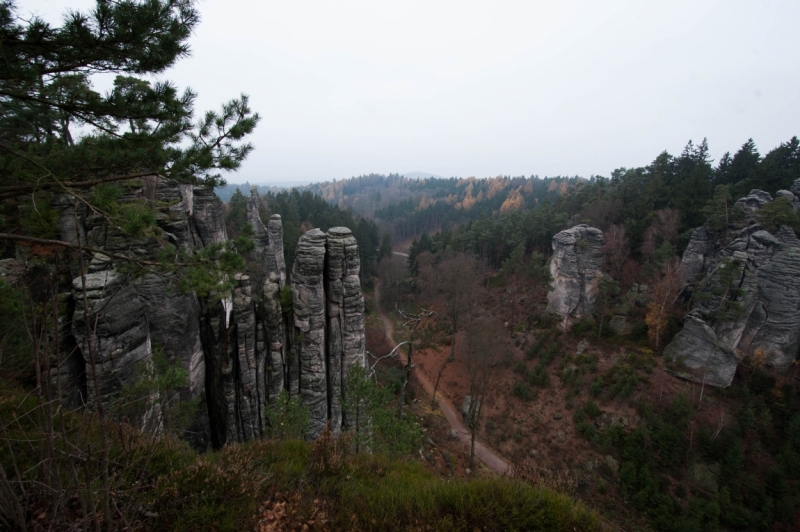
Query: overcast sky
point(486, 88)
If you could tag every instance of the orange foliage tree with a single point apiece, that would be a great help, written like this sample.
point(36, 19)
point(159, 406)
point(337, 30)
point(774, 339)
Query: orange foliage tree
point(665, 293)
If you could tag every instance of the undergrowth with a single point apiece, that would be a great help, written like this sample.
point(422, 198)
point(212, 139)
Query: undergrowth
point(160, 483)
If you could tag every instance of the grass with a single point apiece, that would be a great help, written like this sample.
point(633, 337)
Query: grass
point(162, 484)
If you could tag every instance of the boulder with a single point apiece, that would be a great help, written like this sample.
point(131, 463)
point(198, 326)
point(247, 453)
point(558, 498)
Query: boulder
point(576, 267)
point(466, 405)
point(618, 324)
point(696, 353)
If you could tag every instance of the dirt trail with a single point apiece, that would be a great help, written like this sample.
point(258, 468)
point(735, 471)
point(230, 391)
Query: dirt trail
point(484, 454)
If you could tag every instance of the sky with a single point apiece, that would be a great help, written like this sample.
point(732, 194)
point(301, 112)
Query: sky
point(463, 88)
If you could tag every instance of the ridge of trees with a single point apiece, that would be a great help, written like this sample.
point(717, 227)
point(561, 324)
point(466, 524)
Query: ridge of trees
point(301, 211)
point(412, 206)
point(658, 203)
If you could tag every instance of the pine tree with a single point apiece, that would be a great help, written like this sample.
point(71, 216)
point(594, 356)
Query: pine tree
point(386, 247)
point(138, 128)
point(237, 213)
point(741, 175)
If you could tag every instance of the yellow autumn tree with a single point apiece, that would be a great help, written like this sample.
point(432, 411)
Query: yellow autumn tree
point(664, 294)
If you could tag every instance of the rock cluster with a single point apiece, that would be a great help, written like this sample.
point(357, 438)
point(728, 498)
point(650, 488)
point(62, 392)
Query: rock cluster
point(240, 349)
point(576, 268)
point(745, 298)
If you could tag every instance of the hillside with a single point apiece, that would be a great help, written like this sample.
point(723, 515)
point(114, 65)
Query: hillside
point(407, 207)
point(598, 370)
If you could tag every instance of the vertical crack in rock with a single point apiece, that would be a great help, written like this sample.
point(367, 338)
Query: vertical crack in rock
point(214, 337)
point(346, 344)
point(246, 375)
point(275, 337)
point(308, 300)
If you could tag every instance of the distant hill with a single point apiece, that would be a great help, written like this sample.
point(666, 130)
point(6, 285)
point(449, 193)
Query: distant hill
point(408, 206)
point(421, 175)
point(225, 193)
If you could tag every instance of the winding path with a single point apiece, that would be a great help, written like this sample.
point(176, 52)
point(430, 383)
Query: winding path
point(483, 453)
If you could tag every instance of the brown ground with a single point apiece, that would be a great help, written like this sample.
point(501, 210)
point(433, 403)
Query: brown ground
point(524, 434)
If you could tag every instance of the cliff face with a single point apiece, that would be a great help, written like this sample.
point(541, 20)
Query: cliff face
point(240, 349)
point(576, 268)
point(745, 297)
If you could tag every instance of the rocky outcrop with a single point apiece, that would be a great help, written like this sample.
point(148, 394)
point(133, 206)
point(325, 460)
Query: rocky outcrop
point(239, 349)
point(268, 256)
point(745, 299)
point(717, 364)
point(750, 204)
point(698, 254)
point(117, 337)
point(346, 340)
point(576, 268)
point(308, 301)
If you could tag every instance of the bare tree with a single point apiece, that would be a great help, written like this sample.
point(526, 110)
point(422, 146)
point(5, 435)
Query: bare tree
point(663, 229)
point(616, 249)
point(459, 282)
point(483, 352)
point(665, 293)
point(667, 223)
point(412, 322)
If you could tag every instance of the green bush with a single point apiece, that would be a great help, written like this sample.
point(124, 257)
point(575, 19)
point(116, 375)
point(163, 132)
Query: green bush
point(538, 376)
point(523, 391)
point(286, 418)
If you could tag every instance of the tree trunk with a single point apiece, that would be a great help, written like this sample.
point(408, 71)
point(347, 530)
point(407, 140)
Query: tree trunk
point(438, 378)
point(472, 451)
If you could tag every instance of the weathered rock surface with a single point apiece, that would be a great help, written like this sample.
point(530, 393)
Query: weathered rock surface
point(751, 203)
point(698, 254)
point(308, 302)
point(696, 353)
point(746, 299)
point(576, 268)
point(238, 349)
point(346, 340)
point(269, 240)
point(118, 337)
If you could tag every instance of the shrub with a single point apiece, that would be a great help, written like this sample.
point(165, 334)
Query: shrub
point(286, 417)
point(523, 391)
point(538, 376)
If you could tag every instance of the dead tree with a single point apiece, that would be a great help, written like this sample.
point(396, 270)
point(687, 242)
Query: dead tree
point(481, 361)
point(412, 321)
point(459, 277)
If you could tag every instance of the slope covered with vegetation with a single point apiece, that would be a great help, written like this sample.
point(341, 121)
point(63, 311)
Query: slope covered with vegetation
point(595, 402)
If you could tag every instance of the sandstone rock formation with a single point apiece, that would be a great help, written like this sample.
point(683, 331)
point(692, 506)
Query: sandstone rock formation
point(308, 301)
point(745, 299)
point(346, 340)
point(576, 268)
point(239, 349)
